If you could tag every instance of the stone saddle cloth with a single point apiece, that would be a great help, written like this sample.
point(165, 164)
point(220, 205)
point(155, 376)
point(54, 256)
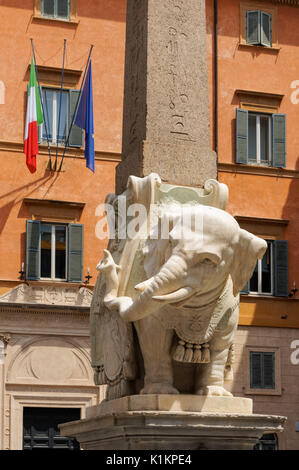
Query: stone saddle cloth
point(195, 326)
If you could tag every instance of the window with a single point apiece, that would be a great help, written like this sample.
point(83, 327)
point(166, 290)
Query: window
point(258, 25)
point(54, 251)
point(270, 276)
point(40, 428)
point(267, 442)
point(259, 28)
point(263, 376)
point(260, 138)
point(53, 107)
point(262, 369)
point(58, 9)
point(261, 281)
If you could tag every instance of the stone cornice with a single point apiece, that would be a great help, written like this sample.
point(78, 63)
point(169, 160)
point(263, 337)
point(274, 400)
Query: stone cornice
point(9, 307)
point(18, 147)
point(290, 3)
point(43, 295)
point(255, 220)
point(226, 167)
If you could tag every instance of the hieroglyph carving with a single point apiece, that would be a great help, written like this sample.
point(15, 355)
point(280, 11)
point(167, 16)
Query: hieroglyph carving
point(171, 298)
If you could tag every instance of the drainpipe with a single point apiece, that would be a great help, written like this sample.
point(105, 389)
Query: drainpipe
point(216, 78)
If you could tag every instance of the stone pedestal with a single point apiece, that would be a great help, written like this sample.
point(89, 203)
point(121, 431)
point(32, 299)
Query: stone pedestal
point(172, 422)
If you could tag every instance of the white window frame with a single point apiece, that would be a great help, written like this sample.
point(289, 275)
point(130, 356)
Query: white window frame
point(260, 272)
point(55, 16)
point(53, 239)
point(56, 98)
point(258, 160)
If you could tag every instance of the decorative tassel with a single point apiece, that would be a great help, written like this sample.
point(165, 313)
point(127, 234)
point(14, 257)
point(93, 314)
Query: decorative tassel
point(180, 351)
point(197, 354)
point(205, 357)
point(188, 357)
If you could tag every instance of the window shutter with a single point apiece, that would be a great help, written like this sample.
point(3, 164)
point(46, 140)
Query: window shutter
point(76, 135)
point(63, 8)
point(279, 140)
point(75, 252)
point(32, 250)
point(242, 136)
point(245, 289)
point(256, 370)
point(253, 30)
point(268, 369)
point(266, 29)
point(48, 7)
point(281, 281)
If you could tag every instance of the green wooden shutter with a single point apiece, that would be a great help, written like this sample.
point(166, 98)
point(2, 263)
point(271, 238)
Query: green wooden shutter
point(268, 370)
point(63, 8)
point(76, 135)
point(241, 136)
point(48, 7)
point(75, 252)
point(266, 29)
point(279, 140)
point(256, 380)
point(281, 281)
point(32, 250)
point(253, 28)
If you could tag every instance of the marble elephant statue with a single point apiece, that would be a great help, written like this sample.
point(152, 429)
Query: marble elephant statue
point(186, 309)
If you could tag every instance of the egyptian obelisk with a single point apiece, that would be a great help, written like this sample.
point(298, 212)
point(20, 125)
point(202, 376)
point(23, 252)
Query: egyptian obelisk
point(166, 118)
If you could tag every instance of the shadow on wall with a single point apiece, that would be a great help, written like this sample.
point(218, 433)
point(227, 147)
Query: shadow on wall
point(17, 198)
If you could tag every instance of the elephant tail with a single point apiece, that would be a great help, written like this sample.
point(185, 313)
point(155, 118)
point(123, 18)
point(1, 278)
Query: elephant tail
point(228, 370)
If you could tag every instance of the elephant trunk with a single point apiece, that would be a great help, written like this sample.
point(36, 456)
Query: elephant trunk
point(167, 286)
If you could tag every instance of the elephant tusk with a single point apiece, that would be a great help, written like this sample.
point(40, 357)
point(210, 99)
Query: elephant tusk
point(176, 296)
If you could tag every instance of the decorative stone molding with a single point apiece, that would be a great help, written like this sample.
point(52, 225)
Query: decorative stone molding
point(258, 101)
point(52, 76)
point(11, 146)
point(5, 337)
point(49, 295)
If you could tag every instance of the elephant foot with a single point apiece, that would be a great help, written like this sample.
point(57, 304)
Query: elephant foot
point(214, 390)
point(159, 389)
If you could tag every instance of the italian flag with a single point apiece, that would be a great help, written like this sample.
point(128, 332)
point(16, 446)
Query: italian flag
point(34, 117)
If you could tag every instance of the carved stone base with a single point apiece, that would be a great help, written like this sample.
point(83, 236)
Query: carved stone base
point(167, 422)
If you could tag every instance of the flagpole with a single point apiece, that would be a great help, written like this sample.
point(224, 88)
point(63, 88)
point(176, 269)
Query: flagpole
point(42, 103)
point(76, 108)
point(59, 113)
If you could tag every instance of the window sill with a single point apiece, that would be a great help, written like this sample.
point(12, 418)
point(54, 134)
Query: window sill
point(45, 282)
point(72, 21)
point(274, 49)
point(229, 167)
point(263, 391)
point(268, 297)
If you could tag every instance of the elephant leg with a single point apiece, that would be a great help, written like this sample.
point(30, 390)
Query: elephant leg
point(155, 344)
point(210, 377)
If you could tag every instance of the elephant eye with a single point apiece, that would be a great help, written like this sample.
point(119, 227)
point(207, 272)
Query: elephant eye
point(207, 261)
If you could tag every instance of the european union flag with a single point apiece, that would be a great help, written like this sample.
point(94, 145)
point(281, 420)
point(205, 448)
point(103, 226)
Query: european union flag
point(84, 119)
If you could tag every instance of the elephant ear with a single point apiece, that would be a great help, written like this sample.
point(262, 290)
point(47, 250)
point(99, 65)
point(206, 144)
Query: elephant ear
point(249, 249)
point(155, 253)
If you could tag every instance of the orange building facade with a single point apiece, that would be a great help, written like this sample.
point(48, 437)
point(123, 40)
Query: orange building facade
point(253, 49)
